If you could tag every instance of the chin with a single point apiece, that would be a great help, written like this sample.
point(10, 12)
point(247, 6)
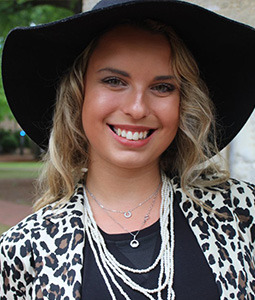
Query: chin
point(130, 163)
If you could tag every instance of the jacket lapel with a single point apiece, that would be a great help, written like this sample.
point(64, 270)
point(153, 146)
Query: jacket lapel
point(220, 239)
point(58, 259)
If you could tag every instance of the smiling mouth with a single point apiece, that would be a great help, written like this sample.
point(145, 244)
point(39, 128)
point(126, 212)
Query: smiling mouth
point(132, 135)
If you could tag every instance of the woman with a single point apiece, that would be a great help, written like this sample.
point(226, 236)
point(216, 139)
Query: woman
point(132, 208)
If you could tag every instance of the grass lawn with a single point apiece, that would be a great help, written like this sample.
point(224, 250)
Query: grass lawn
point(20, 165)
point(3, 228)
point(19, 169)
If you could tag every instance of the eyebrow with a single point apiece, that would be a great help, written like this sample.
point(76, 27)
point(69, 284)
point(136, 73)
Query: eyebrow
point(164, 77)
point(115, 71)
point(125, 74)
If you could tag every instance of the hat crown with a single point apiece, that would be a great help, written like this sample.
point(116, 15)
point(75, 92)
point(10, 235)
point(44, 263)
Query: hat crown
point(108, 3)
point(35, 58)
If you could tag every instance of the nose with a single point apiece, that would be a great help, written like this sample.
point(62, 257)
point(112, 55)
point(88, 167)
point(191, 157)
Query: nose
point(136, 105)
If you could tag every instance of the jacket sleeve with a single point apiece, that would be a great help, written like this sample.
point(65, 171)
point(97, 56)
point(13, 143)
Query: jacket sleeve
point(244, 208)
point(15, 257)
point(252, 227)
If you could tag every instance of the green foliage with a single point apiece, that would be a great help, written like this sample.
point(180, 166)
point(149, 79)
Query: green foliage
point(28, 12)
point(9, 144)
point(4, 108)
point(3, 132)
point(9, 141)
point(15, 13)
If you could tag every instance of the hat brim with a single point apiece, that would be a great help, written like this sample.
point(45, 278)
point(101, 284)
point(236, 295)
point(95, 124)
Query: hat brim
point(34, 58)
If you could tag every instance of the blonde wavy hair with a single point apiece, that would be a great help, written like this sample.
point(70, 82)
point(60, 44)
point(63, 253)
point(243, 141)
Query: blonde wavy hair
point(187, 157)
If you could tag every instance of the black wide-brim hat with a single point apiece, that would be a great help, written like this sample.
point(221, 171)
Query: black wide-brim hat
point(34, 58)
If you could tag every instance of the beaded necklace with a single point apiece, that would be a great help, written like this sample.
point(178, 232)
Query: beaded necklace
point(108, 265)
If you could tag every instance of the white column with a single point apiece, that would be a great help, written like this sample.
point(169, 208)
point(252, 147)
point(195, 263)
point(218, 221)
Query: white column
point(88, 4)
point(242, 152)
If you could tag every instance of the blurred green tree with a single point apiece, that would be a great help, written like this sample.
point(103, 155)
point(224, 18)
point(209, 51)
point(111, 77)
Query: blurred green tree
point(15, 13)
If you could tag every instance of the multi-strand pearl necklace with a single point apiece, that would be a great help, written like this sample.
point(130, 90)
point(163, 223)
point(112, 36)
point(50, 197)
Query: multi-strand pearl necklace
point(108, 264)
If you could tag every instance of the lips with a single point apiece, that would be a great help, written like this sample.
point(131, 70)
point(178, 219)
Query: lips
point(134, 134)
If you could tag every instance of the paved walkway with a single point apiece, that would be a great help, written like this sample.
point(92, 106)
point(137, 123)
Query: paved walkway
point(12, 213)
point(16, 157)
point(16, 197)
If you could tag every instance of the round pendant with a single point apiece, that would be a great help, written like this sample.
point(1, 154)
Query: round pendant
point(127, 214)
point(134, 243)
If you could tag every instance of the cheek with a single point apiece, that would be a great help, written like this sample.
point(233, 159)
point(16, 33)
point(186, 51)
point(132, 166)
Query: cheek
point(83, 115)
point(171, 116)
point(91, 108)
point(85, 120)
point(175, 117)
point(96, 108)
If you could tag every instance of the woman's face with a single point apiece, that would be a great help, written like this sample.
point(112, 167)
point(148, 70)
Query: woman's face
point(131, 106)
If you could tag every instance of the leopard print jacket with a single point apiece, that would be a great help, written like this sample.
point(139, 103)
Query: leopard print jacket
point(42, 256)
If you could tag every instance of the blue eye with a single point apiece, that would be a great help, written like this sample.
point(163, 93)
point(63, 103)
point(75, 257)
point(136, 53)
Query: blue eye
point(163, 88)
point(113, 81)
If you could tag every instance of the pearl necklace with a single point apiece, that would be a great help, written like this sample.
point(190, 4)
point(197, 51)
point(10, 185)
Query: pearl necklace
point(108, 264)
point(127, 214)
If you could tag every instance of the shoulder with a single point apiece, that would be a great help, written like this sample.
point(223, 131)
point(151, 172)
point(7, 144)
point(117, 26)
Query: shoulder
point(40, 228)
point(242, 201)
point(234, 199)
point(232, 202)
point(35, 242)
point(241, 188)
point(235, 195)
point(232, 193)
point(19, 237)
point(30, 228)
point(16, 252)
point(41, 219)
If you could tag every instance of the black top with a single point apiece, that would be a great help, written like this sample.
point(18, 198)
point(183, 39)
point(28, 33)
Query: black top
point(193, 278)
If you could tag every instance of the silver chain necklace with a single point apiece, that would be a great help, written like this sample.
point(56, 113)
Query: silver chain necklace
point(111, 269)
point(127, 214)
point(135, 243)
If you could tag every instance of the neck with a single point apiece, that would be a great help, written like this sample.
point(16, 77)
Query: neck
point(121, 186)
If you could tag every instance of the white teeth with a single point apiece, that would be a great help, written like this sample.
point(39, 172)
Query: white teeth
point(129, 135)
point(123, 133)
point(135, 136)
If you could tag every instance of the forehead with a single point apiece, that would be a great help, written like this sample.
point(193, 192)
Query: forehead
point(127, 34)
point(131, 41)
